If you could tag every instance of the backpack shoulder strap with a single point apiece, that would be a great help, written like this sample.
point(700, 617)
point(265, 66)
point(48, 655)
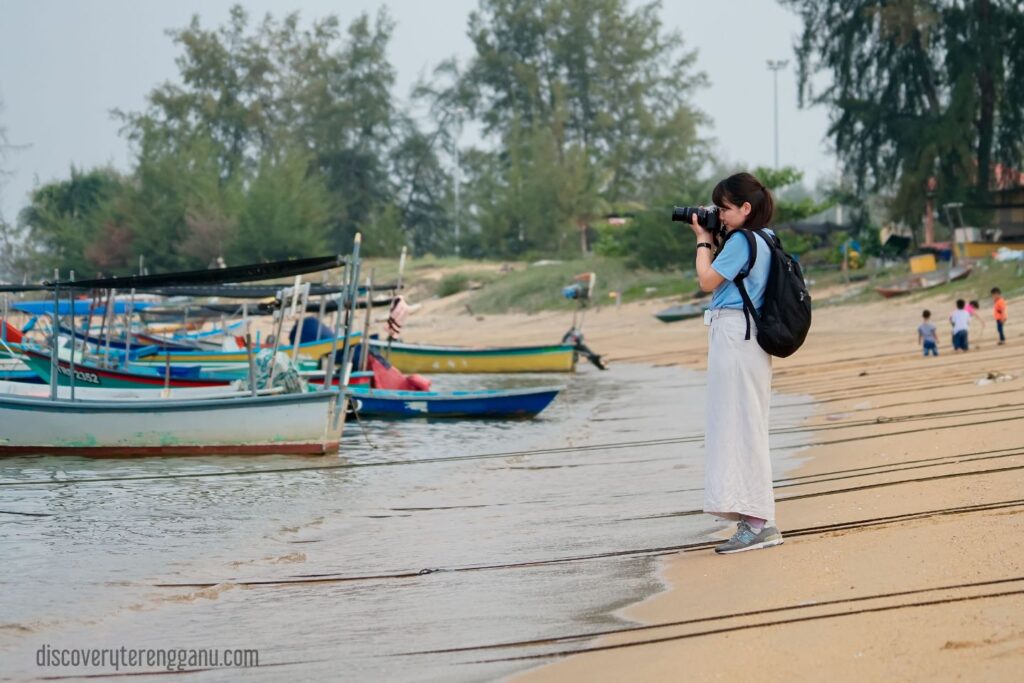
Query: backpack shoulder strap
point(748, 305)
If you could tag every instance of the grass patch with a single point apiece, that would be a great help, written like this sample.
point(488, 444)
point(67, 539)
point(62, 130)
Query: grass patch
point(539, 288)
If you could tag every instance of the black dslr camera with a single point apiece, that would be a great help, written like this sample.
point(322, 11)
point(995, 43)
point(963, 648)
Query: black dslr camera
point(706, 218)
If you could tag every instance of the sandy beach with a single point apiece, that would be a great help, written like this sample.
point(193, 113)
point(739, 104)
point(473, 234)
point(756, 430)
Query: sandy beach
point(903, 521)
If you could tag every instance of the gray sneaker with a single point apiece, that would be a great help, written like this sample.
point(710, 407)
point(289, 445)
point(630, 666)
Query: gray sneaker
point(746, 539)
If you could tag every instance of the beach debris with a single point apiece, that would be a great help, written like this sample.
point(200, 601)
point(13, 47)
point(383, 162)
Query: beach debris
point(993, 376)
point(863, 374)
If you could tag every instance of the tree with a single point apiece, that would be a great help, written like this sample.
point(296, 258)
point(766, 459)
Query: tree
point(247, 92)
point(920, 88)
point(591, 96)
point(62, 219)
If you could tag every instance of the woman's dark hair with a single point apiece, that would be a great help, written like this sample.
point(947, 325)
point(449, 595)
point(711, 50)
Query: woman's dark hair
point(744, 187)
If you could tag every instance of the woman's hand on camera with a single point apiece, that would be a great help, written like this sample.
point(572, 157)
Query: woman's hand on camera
point(699, 231)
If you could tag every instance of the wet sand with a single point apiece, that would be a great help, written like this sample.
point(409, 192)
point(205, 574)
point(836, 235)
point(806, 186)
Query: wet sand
point(903, 557)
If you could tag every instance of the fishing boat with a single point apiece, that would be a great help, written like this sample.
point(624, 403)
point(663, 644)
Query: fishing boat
point(13, 369)
point(460, 359)
point(309, 423)
point(497, 403)
point(919, 282)
point(92, 375)
point(679, 312)
point(300, 422)
point(314, 350)
point(208, 341)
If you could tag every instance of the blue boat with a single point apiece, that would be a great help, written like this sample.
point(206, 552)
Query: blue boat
point(491, 403)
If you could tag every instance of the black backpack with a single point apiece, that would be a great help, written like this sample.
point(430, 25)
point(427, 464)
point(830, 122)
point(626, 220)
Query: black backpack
point(785, 317)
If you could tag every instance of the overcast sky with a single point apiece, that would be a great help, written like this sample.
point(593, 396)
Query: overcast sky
point(65, 64)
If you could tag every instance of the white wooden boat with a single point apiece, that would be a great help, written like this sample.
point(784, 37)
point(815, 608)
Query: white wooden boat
point(309, 423)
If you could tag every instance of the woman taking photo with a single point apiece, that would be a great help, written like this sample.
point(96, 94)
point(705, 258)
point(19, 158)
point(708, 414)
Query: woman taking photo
point(738, 470)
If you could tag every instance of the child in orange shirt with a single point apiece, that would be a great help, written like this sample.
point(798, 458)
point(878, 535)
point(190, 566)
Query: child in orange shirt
point(999, 312)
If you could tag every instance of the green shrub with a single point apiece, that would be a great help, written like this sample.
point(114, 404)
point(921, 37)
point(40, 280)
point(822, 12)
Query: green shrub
point(452, 284)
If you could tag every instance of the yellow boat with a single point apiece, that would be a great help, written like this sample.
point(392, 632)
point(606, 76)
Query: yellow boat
point(458, 359)
point(314, 350)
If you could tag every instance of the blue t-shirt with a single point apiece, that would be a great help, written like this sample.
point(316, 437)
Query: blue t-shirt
point(731, 262)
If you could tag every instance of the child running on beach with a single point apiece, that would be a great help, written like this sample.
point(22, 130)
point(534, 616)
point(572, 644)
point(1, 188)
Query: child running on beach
point(738, 466)
point(999, 312)
point(961, 322)
point(926, 335)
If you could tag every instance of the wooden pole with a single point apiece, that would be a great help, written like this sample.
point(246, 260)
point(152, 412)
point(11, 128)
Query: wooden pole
point(54, 335)
point(343, 278)
point(350, 307)
point(128, 326)
point(71, 378)
point(300, 298)
point(323, 306)
point(111, 306)
point(398, 290)
point(364, 357)
point(252, 361)
point(277, 340)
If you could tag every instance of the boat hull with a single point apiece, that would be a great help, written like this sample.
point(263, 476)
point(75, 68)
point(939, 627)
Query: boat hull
point(680, 312)
point(410, 358)
point(516, 403)
point(296, 423)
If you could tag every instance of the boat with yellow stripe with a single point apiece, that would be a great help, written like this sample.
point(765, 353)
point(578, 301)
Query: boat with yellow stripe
point(459, 359)
point(314, 350)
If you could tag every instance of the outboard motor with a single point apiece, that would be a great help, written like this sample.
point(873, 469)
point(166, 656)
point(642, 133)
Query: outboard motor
point(575, 338)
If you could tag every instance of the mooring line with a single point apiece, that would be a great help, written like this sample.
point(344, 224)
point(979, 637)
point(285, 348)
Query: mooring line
point(552, 640)
point(26, 514)
point(833, 492)
point(746, 627)
point(857, 472)
point(304, 579)
point(557, 450)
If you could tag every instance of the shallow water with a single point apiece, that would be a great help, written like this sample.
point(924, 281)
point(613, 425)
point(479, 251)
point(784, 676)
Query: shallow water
point(401, 497)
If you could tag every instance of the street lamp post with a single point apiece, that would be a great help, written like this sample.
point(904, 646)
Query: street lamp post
point(458, 177)
point(776, 65)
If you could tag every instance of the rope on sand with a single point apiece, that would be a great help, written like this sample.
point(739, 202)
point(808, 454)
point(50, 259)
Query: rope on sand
point(552, 640)
point(307, 579)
